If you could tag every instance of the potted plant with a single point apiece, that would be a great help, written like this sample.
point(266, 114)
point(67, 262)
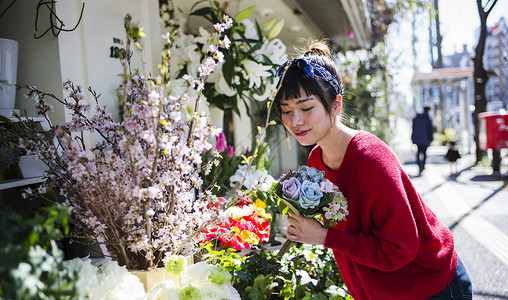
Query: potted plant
point(10, 152)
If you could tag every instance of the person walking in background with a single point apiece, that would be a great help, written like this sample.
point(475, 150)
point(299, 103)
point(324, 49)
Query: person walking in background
point(422, 136)
point(452, 155)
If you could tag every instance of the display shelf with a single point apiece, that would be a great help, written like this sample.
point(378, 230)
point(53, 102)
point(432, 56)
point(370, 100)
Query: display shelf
point(12, 183)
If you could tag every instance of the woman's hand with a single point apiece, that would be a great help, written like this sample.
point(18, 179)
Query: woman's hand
point(305, 230)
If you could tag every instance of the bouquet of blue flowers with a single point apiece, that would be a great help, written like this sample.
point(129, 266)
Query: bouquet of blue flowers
point(307, 193)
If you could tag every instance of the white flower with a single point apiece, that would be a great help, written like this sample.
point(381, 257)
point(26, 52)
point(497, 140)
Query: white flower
point(196, 273)
point(87, 277)
point(226, 42)
point(255, 71)
point(250, 29)
point(202, 38)
point(275, 50)
point(237, 212)
point(165, 290)
point(179, 87)
point(214, 292)
point(184, 51)
point(115, 282)
point(252, 178)
point(232, 293)
point(30, 282)
point(269, 88)
point(207, 67)
point(305, 278)
point(221, 86)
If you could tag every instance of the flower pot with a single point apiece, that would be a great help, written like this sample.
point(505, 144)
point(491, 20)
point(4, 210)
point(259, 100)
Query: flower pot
point(8, 73)
point(149, 278)
point(30, 166)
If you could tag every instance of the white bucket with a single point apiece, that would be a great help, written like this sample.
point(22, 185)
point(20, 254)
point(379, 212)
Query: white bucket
point(8, 73)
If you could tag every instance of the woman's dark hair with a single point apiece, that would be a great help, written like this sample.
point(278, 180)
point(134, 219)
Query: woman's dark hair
point(295, 81)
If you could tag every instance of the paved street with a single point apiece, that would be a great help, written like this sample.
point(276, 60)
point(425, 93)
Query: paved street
point(474, 205)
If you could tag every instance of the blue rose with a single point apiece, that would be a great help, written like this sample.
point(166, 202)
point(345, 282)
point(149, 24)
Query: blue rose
point(310, 194)
point(291, 188)
point(309, 173)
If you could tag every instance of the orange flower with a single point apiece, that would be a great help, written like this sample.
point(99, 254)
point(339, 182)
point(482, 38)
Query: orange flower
point(250, 237)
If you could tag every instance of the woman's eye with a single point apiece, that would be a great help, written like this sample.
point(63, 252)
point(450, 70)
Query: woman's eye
point(285, 112)
point(307, 109)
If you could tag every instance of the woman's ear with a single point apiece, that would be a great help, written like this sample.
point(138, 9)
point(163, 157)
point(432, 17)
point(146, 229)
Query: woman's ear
point(337, 105)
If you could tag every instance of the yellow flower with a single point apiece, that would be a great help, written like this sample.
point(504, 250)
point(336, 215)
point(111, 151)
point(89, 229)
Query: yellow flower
point(260, 203)
point(249, 237)
point(260, 209)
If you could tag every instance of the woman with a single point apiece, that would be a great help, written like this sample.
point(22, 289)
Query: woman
point(392, 246)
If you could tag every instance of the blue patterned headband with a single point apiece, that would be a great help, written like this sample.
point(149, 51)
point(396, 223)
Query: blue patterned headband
point(310, 69)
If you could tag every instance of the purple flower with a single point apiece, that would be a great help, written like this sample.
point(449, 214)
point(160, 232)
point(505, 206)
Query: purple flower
point(291, 188)
point(221, 142)
point(310, 194)
point(231, 151)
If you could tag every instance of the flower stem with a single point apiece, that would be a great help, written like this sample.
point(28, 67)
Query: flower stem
point(285, 248)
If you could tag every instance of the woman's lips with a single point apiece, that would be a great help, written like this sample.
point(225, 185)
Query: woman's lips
point(301, 133)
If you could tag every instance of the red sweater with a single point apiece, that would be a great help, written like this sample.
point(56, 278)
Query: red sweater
point(392, 246)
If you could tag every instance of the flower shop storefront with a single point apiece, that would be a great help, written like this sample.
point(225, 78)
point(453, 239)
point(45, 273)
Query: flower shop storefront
point(160, 169)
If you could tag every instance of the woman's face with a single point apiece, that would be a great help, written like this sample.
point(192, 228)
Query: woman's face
point(306, 119)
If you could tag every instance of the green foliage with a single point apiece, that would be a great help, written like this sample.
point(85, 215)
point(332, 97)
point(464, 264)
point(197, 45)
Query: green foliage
point(383, 13)
point(31, 265)
point(365, 102)
point(242, 48)
point(248, 65)
point(306, 272)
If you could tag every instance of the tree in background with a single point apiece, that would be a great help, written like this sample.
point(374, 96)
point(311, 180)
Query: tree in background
point(368, 95)
point(480, 74)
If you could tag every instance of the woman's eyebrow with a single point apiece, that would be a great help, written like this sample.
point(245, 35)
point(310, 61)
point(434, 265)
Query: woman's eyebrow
point(304, 100)
point(299, 101)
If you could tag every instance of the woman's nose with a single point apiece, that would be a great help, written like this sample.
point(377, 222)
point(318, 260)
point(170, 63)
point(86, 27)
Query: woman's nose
point(296, 119)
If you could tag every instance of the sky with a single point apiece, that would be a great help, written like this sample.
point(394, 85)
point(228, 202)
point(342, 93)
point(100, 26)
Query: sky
point(458, 20)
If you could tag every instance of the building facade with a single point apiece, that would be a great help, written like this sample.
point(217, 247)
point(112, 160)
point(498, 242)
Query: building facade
point(496, 62)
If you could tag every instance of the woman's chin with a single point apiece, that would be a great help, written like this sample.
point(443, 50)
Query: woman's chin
point(305, 142)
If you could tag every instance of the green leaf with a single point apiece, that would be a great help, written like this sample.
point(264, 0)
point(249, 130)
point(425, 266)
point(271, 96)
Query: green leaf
point(291, 204)
point(256, 47)
point(228, 69)
point(196, 4)
point(207, 13)
point(32, 239)
point(275, 30)
point(202, 11)
point(234, 106)
point(244, 14)
point(244, 38)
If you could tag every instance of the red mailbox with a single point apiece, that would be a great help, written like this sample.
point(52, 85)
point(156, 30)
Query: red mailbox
point(493, 130)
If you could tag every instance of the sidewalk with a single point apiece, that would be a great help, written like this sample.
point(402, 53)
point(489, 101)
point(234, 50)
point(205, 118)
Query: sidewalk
point(469, 199)
point(474, 205)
